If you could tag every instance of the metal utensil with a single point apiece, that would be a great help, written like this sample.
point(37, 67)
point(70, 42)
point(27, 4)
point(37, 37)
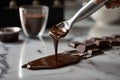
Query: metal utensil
point(62, 28)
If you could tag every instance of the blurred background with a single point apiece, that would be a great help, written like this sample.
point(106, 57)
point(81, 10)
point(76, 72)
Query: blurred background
point(9, 11)
point(59, 10)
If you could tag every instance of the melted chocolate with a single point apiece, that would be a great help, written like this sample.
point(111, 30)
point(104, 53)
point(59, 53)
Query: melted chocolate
point(85, 50)
point(33, 23)
point(57, 60)
point(56, 33)
point(49, 62)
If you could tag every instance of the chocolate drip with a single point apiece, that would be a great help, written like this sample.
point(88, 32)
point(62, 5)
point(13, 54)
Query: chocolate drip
point(56, 33)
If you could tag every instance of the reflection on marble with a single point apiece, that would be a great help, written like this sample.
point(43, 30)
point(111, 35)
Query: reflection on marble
point(14, 55)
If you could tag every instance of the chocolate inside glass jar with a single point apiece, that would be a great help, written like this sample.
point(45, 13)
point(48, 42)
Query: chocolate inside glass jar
point(33, 23)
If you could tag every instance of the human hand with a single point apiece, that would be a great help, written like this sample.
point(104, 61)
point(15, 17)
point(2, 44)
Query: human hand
point(110, 3)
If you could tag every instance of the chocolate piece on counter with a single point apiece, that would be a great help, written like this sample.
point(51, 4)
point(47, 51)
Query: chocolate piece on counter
point(118, 39)
point(94, 39)
point(49, 62)
point(74, 44)
point(107, 38)
point(113, 42)
point(116, 36)
point(86, 47)
point(103, 44)
point(94, 52)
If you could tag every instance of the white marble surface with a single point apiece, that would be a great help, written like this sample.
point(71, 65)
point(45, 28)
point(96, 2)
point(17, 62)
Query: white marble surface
point(14, 55)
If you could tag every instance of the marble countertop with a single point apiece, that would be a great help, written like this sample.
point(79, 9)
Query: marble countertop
point(14, 55)
point(102, 67)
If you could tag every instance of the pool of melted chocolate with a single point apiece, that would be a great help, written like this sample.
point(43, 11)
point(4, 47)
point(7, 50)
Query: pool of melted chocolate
point(49, 62)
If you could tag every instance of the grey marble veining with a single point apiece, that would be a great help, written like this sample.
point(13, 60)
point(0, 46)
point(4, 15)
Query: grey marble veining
point(3, 63)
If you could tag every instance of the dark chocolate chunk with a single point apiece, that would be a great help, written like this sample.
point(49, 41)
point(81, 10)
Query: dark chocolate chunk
point(74, 44)
point(113, 42)
point(86, 47)
point(103, 44)
point(94, 52)
point(107, 38)
point(116, 36)
point(118, 39)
